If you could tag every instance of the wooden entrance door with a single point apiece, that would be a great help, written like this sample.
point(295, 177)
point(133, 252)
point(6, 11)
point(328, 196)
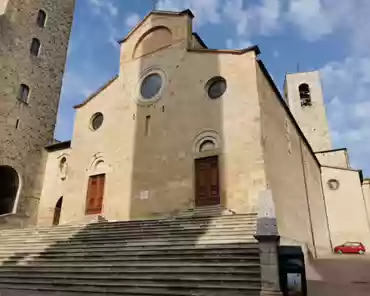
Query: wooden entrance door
point(207, 181)
point(95, 194)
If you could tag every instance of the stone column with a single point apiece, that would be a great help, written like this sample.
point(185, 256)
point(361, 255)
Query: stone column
point(268, 238)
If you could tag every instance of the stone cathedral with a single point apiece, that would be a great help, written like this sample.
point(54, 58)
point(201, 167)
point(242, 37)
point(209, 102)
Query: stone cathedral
point(180, 127)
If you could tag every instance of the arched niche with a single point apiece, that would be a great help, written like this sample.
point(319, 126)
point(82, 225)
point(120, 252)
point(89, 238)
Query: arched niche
point(9, 189)
point(97, 165)
point(206, 141)
point(153, 40)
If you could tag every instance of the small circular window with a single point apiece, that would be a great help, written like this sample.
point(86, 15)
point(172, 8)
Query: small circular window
point(151, 86)
point(216, 87)
point(333, 184)
point(97, 121)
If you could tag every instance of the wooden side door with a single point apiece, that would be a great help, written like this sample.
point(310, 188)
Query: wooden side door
point(207, 181)
point(95, 194)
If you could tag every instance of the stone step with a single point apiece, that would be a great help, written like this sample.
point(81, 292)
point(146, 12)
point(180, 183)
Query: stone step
point(103, 264)
point(136, 267)
point(121, 246)
point(234, 219)
point(81, 291)
point(245, 277)
point(144, 254)
point(130, 270)
point(251, 228)
point(114, 226)
point(154, 228)
point(120, 243)
point(127, 260)
point(132, 235)
point(202, 252)
point(127, 284)
point(109, 248)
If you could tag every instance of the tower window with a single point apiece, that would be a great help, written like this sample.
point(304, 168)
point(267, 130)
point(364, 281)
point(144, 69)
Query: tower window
point(41, 18)
point(305, 95)
point(35, 47)
point(24, 92)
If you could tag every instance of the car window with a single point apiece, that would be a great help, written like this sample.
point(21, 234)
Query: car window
point(352, 244)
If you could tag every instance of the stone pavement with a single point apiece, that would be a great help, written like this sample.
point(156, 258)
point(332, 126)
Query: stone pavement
point(340, 275)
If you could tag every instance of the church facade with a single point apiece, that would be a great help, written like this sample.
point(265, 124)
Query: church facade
point(184, 126)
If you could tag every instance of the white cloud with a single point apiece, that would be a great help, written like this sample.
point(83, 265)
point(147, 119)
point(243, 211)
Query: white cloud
point(132, 20)
point(316, 19)
point(268, 15)
point(346, 85)
point(309, 16)
point(206, 11)
point(249, 20)
point(238, 43)
point(101, 6)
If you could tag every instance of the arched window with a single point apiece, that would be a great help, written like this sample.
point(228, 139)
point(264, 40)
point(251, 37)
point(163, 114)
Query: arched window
point(35, 47)
point(305, 95)
point(154, 39)
point(63, 167)
point(24, 92)
point(8, 189)
point(207, 145)
point(57, 210)
point(41, 18)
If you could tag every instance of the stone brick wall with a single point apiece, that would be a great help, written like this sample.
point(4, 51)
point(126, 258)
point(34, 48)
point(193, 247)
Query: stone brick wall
point(346, 206)
point(293, 174)
point(22, 147)
point(54, 185)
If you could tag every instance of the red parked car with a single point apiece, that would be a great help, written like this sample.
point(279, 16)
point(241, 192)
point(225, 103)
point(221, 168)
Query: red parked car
point(350, 247)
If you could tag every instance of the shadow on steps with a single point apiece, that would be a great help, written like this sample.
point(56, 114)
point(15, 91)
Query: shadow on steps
point(207, 251)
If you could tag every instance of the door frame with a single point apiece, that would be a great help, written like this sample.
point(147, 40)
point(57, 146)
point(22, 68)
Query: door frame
point(208, 154)
point(104, 193)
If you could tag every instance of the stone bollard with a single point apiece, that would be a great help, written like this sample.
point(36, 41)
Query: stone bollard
point(268, 239)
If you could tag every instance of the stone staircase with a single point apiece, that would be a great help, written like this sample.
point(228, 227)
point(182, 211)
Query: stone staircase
point(207, 251)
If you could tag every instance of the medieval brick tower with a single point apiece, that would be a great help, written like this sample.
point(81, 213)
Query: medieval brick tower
point(34, 37)
point(304, 96)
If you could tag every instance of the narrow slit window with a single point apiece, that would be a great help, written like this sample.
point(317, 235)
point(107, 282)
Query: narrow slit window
point(147, 125)
point(35, 47)
point(305, 95)
point(17, 124)
point(24, 92)
point(41, 18)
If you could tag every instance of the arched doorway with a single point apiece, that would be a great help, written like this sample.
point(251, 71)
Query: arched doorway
point(9, 186)
point(207, 179)
point(57, 210)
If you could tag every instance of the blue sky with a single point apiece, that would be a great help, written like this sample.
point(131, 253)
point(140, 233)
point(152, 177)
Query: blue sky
point(326, 35)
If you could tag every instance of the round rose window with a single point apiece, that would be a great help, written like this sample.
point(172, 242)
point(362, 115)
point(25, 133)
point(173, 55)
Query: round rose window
point(97, 121)
point(216, 87)
point(151, 86)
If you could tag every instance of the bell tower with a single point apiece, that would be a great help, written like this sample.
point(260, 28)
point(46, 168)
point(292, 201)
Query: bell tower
point(34, 36)
point(303, 92)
